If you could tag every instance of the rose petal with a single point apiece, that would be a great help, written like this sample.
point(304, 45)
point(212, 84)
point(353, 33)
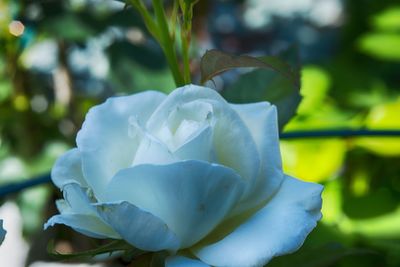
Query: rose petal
point(234, 147)
point(179, 104)
point(180, 261)
point(261, 118)
point(279, 228)
point(186, 120)
point(138, 227)
point(152, 151)
point(199, 147)
point(104, 140)
point(85, 224)
point(77, 199)
point(233, 144)
point(68, 169)
point(77, 212)
point(192, 197)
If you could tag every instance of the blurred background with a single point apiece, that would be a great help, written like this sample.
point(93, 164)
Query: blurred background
point(59, 58)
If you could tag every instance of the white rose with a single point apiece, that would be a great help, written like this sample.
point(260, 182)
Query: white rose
point(185, 171)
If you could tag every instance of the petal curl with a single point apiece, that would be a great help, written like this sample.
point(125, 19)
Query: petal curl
point(104, 140)
point(199, 147)
point(233, 144)
point(262, 121)
point(180, 261)
point(68, 169)
point(186, 120)
point(85, 224)
point(78, 213)
point(192, 197)
point(138, 227)
point(182, 96)
point(152, 151)
point(279, 228)
point(77, 199)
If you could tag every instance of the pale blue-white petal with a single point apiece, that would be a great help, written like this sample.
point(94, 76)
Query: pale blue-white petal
point(261, 120)
point(279, 228)
point(77, 212)
point(152, 151)
point(187, 132)
point(85, 224)
point(180, 261)
point(198, 147)
point(233, 144)
point(182, 97)
point(76, 205)
point(77, 200)
point(188, 117)
point(191, 197)
point(2, 232)
point(68, 169)
point(105, 143)
point(63, 206)
point(140, 228)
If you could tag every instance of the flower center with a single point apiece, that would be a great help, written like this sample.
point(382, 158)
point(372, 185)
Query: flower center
point(184, 122)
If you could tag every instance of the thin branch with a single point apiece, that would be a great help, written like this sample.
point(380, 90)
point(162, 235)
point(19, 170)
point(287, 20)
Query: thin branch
point(13, 188)
point(335, 133)
point(147, 18)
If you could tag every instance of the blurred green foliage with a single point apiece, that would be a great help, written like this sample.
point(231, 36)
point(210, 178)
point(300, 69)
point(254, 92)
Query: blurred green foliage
point(384, 41)
point(74, 54)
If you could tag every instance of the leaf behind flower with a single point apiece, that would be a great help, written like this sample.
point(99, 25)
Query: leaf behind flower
point(215, 62)
point(276, 79)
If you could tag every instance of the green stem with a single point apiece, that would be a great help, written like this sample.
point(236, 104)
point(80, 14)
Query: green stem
point(185, 38)
point(186, 31)
point(147, 18)
point(174, 19)
point(167, 43)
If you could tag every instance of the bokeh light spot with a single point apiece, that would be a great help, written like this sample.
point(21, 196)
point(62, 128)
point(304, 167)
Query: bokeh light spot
point(16, 28)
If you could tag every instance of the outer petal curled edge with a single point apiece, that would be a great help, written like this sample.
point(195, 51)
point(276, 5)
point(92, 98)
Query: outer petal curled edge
point(140, 228)
point(279, 228)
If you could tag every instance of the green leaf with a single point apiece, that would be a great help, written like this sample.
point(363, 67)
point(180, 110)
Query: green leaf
point(383, 46)
point(187, 9)
point(281, 86)
point(386, 226)
point(215, 62)
point(315, 83)
point(328, 255)
point(300, 157)
point(69, 27)
point(114, 246)
point(264, 85)
point(388, 20)
point(380, 203)
point(147, 56)
point(382, 116)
